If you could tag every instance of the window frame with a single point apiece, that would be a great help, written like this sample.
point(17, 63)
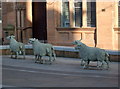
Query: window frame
point(91, 12)
point(83, 22)
point(62, 19)
point(118, 13)
point(1, 12)
point(20, 16)
point(74, 17)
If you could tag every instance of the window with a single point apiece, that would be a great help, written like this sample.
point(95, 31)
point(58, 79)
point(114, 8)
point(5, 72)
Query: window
point(119, 14)
point(20, 15)
point(20, 19)
point(0, 12)
point(78, 13)
point(65, 14)
point(91, 14)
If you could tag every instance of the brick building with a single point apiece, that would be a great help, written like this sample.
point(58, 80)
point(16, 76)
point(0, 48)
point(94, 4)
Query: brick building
point(60, 23)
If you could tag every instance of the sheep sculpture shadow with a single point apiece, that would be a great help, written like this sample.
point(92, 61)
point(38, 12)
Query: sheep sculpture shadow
point(16, 47)
point(41, 49)
point(88, 54)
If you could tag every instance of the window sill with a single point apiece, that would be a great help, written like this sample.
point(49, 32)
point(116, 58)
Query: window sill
point(76, 28)
point(117, 29)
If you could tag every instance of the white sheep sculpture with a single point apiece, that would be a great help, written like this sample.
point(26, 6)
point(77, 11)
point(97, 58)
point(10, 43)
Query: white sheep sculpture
point(16, 47)
point(88, 54)
point(41, 49)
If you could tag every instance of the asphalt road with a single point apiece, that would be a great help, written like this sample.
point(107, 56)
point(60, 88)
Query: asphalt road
point(64, 72)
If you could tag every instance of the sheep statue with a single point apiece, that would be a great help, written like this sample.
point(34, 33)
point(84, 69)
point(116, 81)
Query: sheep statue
point(41, 49)
point(16, 47)
point(88, 54)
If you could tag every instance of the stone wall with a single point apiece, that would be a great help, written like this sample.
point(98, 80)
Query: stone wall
point(68, 54)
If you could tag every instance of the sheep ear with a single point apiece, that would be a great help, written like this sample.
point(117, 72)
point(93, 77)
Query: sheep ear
point(76, 42)
point(36, 39)
point(12, 36)
point(80, 39)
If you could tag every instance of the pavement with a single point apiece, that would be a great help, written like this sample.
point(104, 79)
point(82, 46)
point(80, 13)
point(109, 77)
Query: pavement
point(63, 72)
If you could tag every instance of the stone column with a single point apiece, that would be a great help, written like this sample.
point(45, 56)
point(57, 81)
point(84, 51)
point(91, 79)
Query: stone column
point(29, 10)
point(71, 3)
point(84, 13)
point(28, 21)
point(51, 23)
point(104, 25)
point(116, 14)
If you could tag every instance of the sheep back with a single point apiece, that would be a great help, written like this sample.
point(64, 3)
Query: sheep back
point(92, 53)
point(14, 47)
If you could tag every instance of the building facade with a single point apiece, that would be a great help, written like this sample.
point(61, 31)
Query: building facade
point(0, 23)
point(60, 22)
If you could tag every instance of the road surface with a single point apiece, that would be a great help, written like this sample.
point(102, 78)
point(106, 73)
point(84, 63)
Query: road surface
point(64, 72)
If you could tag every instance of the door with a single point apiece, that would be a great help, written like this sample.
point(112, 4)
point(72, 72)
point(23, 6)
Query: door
point(39, 20)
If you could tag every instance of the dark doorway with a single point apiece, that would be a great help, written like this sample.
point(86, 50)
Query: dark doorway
point(39, 20)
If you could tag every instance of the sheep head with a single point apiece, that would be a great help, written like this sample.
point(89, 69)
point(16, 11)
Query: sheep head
point(32, 40)
point(77, 42)
point(9, 37)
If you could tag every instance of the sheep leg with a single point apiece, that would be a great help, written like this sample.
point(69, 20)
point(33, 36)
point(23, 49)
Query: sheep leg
point(82, 64)
point(50, 59)
point(36, 58)
point(24, 54)
point(107, 62)
point(86, 64)
point(11, 54)
point(102, 63)
point(54, 57)
point(40, 59)
point(16, 55)
point(98, 64)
